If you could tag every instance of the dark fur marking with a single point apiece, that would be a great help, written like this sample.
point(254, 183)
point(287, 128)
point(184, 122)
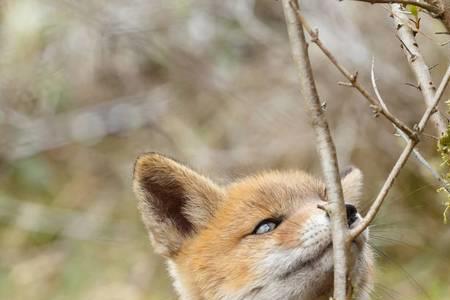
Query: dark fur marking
point(347, 171)
point(168, 199)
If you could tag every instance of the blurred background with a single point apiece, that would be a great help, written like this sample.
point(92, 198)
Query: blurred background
point(85, 86)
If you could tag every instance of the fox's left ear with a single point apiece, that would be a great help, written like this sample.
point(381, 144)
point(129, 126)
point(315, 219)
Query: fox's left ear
point(352, 185)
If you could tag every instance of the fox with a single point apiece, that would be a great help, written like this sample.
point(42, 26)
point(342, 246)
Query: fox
point(260, 237)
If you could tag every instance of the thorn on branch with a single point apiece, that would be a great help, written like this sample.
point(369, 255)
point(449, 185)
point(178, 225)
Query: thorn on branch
point(315, 35)
point(432, 67)
point(413, 85)
point(435, 110)
point(353, 78)
point(375, 110)
point(430, 136)
point(403, 46)
point(417, 24)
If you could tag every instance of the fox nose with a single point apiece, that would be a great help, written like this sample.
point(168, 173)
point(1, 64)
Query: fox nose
point(351, 214)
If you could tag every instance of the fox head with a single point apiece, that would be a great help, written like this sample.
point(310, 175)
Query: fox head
point(262, 237)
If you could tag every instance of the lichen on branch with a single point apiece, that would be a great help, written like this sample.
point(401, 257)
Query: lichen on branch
point(443, 147)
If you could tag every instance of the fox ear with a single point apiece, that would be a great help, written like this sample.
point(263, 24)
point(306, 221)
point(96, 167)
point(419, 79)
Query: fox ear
point(352, 185)
point(174, 201)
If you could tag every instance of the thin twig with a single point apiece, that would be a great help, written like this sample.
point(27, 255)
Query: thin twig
point(326, 149)
point(353, 79)
point(412, 85)
point(375, 207)
point(431, 8)
point(442, 181)
point(430, 136)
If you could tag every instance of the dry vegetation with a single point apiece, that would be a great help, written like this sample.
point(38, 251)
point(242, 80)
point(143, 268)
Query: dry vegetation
point(85, 86)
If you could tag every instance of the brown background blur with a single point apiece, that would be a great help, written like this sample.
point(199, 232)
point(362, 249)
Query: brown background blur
point(85, 86)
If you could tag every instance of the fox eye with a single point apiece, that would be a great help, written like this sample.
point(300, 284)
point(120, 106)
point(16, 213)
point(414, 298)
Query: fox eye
point(266, 226)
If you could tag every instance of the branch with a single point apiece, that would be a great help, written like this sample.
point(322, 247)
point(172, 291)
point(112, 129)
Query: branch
point(375, 207)
point(442, 181)
point(427, 6)
point(431, 109)
point(326, 149)
point(422, 74)
point(416, 62)
point(353, 79)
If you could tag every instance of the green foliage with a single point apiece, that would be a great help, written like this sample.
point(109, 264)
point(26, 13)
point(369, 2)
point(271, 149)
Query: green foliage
point(414, 10)
point(443, 148)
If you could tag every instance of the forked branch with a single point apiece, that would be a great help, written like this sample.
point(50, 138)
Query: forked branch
point(420, 158)
point(375, 207)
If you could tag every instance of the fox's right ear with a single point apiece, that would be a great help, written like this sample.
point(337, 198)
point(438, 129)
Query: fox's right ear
point(174, 201)
point(352, 185)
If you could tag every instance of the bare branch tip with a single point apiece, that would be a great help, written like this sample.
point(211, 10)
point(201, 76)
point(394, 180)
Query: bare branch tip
point(346, 84)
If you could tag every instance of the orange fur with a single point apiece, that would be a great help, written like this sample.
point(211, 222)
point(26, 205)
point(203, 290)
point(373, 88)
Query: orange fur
point(205, 231)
